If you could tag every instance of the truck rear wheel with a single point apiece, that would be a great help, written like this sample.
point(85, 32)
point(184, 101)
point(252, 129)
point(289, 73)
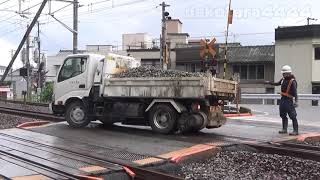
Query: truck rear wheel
point(76, 115)
point(162, 119)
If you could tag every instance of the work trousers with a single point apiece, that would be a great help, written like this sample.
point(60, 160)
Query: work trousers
point(287, 108)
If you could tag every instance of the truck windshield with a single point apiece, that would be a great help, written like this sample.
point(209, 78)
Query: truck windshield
point(72, 67)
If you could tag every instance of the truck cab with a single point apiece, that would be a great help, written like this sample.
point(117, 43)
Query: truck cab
point(74, 79)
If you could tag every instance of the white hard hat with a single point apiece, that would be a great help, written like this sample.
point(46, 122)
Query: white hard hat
point(286, 69)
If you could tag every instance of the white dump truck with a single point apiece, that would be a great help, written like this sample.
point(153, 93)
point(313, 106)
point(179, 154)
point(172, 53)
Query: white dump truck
point(86, 89)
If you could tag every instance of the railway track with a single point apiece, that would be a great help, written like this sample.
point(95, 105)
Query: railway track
point(26, 103)
point(281, 148)
point(31, 114)
point(64, 162)
point(288, 149)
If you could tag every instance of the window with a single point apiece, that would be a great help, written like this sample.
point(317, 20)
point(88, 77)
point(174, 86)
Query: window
point(181, 67)
point(72, 67)
point(244, 72)
point(236, 69)
point(249, 72)
point(317, 53)
point(260, 71)
point(193, 67)
point(252, 72)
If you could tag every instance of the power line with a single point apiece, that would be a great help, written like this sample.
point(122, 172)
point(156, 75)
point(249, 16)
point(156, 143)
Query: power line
point(61, 8)
point(5, 2)
point(33, 6)
point(8, 32)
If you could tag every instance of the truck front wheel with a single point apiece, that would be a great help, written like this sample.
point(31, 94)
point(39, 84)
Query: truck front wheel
point(162, 119)
point(76, 115)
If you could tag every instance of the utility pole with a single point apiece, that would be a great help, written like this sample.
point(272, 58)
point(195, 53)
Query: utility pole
point(230, 19)
point(75, 26)
point(39, 61)
point(23, 41)
point(28, 67)
point(12, 53)
point(163, 38)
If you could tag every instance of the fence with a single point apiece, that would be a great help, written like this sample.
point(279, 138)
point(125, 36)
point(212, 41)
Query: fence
point(312, 97)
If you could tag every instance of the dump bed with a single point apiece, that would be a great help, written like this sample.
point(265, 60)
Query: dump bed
point(186, 87)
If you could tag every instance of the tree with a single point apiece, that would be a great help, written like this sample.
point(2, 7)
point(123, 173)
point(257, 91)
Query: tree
point(47, 92)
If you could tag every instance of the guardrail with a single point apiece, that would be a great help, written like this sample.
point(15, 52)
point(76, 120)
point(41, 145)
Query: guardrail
point(313, 97)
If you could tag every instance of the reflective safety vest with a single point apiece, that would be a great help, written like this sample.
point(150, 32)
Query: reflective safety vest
point(288, 90)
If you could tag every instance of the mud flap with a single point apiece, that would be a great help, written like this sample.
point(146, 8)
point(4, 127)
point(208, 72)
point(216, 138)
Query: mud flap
point(216, 118)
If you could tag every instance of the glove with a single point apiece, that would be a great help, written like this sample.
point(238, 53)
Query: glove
point(296, 104)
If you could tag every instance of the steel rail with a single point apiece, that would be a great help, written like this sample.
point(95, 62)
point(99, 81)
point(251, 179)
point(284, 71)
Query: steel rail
point(31, 114)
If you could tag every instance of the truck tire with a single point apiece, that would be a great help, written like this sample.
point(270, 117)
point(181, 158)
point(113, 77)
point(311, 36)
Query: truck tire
point(76, 115)
point(162, 119)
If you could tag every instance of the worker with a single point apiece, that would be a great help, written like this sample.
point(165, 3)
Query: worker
point(289, 100)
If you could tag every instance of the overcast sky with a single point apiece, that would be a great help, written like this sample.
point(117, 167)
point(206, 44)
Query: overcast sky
point(104, 22)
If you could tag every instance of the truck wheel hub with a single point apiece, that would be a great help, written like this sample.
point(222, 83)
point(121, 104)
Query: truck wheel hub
point(161, 119)
point(77, 114)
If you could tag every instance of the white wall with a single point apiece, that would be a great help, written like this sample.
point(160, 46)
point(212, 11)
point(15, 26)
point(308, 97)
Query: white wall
point(177, 39)
point(99, 48)
point(153, 55)
point(174, 26)
point(299, 55)
point(315, 63)
point(52, 64)
point(135, 41)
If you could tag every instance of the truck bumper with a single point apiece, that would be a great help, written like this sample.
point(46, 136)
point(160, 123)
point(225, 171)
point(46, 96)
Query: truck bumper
point(56, 109)
point(215, 118)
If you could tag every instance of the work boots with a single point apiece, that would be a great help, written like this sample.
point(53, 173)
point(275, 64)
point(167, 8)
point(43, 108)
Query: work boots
point(295, 127)
point(284, 131)
point(294, 133)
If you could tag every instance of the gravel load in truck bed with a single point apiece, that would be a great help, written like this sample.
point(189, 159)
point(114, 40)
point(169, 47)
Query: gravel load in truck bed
point(151, 71)
point(249, 165)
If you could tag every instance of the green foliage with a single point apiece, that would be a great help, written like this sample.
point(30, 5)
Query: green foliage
point(47, 92)
point(6, 83)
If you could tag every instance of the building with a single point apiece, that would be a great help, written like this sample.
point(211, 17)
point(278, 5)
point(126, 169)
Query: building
point(299, 47)
point(5, 92)
point(136, 41)
point(54, 62)
point(99, 48)
point(18, 84)
point(252, 64)
point(2, 70)
point(150, 55)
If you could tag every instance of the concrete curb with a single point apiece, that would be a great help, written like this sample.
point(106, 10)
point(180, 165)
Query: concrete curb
point(33, 124)
point(237, 115)
point(200, 151)
point(196, 152)
point(309, 137)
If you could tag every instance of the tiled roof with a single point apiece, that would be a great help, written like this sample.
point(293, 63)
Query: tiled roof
point(236, 54)
point(245, 54)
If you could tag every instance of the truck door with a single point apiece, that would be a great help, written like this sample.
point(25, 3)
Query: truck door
point(72, 79)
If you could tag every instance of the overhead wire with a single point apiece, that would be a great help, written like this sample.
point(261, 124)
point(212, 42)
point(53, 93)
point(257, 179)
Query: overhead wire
point(4, 2)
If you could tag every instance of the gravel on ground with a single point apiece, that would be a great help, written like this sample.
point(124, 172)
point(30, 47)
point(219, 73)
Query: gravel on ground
point(24, 107)
point(10, 121)
point(311, 143)
point(250, 165)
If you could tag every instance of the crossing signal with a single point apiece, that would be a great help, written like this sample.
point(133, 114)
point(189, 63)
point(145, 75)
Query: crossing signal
point(208, 49)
